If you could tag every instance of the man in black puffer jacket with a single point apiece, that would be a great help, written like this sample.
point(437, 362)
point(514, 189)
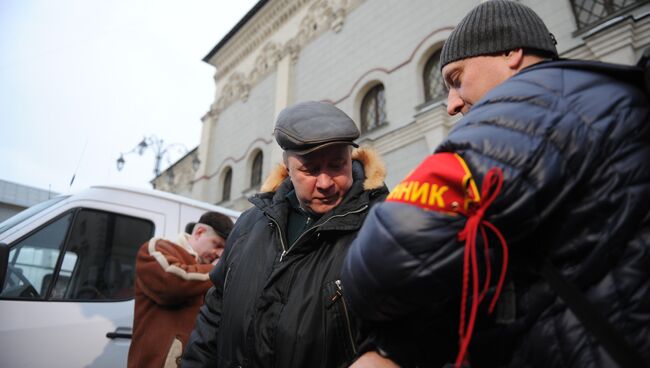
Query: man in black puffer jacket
point(561, 152)
point(277, 299)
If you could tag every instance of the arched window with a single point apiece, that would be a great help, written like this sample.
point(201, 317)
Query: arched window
point(256, 170)
point(227, 185)
point(373, 109)
point(434, 87)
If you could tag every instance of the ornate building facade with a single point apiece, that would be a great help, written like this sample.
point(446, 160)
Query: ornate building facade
point(377, 60)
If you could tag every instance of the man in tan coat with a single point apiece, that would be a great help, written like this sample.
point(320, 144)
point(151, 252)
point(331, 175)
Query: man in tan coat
point(171, 281)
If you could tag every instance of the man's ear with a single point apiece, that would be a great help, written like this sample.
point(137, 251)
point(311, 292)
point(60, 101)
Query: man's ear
point(199, 230)
point(288, 169)
point(515, 59)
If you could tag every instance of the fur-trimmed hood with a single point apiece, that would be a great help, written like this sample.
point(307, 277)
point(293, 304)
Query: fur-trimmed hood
point(373, 167)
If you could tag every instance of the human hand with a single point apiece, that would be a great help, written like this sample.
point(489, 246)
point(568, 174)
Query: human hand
point(372, 359)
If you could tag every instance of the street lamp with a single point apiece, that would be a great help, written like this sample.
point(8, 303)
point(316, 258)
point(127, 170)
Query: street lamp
point(120, 162)
point(160, 150)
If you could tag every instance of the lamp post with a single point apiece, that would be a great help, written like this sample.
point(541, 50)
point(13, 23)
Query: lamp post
point(160, 150)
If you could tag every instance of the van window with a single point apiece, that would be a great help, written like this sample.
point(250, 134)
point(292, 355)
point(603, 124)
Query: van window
point(35, 257)
point(84, 255)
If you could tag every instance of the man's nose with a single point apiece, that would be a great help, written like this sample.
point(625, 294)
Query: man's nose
point(323, 181)
point(454, 102)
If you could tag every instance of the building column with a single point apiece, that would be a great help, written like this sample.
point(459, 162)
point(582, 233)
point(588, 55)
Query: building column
point(201, 188)
point(283, 98)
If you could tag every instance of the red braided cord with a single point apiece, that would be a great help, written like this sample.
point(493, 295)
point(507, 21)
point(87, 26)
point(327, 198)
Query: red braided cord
point(490, 189)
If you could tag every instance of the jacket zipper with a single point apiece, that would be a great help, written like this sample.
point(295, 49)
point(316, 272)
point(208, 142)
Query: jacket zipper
point(347, 316)
point(284, 248)
point(225, 279)
point(285, 251)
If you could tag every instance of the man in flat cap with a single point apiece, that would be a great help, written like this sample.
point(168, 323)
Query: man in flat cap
point(171, 280)
point(277, 299)
point(534, 248)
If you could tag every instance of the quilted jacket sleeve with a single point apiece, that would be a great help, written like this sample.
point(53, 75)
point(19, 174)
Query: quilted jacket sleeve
point(401, 252)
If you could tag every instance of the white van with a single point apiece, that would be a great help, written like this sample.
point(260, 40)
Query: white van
point(67, 272)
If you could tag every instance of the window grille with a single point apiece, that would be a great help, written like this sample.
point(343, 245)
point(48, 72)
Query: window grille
point(590, 12)
point(256, 172)
point(434, 86)
point(373, 109)
point(227, 185)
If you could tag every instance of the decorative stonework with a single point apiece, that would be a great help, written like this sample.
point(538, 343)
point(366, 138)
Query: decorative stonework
point(322, 15)
point(178, 178)
point(619, 36)
point(237, 88)
point(266, 61)
point(256, 31)
point(338, 15)
point(292, 48)
point(619, 33)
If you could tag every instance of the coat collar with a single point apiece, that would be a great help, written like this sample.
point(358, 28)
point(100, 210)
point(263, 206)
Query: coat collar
point(368, 173)
point(373, 168)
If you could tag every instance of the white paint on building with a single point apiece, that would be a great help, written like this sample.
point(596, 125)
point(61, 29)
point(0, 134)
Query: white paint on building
point(337, 50)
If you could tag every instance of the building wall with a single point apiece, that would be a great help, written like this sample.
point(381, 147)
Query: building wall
point(7, 210)
point(242, 130)
point(336, 50)
point(17, 197)
point(179, 178)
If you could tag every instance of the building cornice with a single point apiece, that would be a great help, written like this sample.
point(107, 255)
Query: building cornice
point(242, 22)
point(254, 39)
point(254, 33)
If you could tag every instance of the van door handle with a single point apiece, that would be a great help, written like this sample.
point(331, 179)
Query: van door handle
point(121, 333)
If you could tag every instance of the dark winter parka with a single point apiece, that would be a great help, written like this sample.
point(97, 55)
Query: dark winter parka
point(574, 149)
point(275, 304)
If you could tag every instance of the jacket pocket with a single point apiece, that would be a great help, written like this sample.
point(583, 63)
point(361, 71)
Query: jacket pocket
point(341, 331)
point(173, 359)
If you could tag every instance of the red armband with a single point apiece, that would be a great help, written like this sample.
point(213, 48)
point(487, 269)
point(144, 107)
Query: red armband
point(442, 182)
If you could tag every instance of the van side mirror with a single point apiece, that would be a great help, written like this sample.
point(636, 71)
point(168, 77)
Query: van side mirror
point(4, 263)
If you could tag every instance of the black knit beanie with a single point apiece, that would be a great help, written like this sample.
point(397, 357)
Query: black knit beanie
point(496, 26)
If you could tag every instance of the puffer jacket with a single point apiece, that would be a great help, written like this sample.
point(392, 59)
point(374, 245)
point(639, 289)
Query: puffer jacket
point(573, 145)
point(279, 305)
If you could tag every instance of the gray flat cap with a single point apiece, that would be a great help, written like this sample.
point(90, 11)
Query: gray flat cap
point(308, 126)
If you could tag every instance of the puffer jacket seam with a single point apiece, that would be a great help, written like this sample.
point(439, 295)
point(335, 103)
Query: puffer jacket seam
point(520, 170)
point(592, 345)
point(390, 235)
point(497, 124)
point(622, 142)
point(624, 328)
point(558, 337)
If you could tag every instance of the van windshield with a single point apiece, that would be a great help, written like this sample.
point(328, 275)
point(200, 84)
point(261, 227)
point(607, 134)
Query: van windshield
point(19, 217)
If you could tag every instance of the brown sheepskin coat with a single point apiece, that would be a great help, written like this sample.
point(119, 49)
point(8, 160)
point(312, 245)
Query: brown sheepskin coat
point(169, 289)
